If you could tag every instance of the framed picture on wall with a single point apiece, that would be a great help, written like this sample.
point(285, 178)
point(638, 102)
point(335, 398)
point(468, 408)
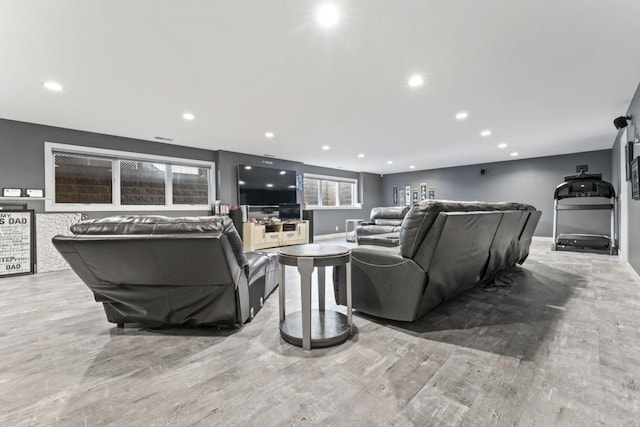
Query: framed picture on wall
point(635, 180)
point(628, 156)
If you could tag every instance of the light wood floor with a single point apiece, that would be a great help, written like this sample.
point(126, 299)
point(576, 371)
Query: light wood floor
point(560, 347)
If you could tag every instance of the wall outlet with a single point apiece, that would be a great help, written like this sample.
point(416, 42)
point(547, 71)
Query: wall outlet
point(337, 229)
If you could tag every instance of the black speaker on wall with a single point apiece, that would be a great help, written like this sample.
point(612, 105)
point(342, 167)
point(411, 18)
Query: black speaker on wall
point(308, 216)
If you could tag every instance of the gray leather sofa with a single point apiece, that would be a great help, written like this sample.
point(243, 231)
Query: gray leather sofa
point(383, 220)
point(445, 248)
point(158, 270)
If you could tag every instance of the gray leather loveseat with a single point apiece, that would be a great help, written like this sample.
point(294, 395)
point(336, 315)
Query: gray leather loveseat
point(383, 220)
point(445, 248)
point(158, 270)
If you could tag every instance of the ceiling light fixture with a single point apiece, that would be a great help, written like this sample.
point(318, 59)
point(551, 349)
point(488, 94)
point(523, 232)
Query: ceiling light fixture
point(412, 167)
point(389, 162)
point(361, 155)
point(56, 87)
point(269, 185)
point(269, 135)
point(188, 116)
point(248, 168)
point(502, 146)
point(462, 115)
point(416, 81)
point(283, 172)
point(514, 154)
point(325, 147)
point(327, 15)
point(241, 182)
point(485, 132)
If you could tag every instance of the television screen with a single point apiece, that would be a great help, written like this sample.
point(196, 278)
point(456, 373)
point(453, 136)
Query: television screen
point(260, 186)
point(289, 211)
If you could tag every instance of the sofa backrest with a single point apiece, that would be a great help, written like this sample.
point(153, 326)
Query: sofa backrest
point(389, 215)
point(422, 217)
point(154, 260)
point(156, 224)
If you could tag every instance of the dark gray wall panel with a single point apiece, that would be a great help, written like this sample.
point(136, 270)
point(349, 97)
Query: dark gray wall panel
point(325, 220)
point(634, 205)
point(528, 180)
point(22, 158)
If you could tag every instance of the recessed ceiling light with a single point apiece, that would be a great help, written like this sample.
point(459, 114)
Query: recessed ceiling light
point(514, 154)
point(269, 135)
point(361, 155)
point(416, 81)
point(485, 132)
point(462, 115)
point(389, 162)
point(248, 168)
point(325, 147)
point(188, 116)
point(327, 15)
point(412, 167)
point(502, 146)
point(269, 185)
point(283, 172)
point(54, 86)
point(292, 186)
point(241, 182)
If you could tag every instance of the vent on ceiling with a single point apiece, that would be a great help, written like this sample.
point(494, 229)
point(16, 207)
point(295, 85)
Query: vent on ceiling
point(163, 138)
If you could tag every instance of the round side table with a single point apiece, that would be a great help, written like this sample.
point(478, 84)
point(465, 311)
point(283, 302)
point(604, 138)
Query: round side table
point(314, 328)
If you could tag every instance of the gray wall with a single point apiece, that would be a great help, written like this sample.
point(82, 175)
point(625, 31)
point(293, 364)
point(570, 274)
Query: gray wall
point(633, 208)
point(325, 220)
point(528, 180)
point(22, 155)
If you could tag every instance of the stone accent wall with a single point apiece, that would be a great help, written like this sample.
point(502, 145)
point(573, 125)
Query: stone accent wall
point(47, 226)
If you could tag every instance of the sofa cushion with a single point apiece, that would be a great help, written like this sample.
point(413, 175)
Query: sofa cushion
point(156, 224)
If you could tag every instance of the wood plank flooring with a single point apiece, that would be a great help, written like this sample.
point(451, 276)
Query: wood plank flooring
point(560, 346)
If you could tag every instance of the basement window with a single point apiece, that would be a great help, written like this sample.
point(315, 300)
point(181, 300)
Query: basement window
point(91, 179)
point(330, 192)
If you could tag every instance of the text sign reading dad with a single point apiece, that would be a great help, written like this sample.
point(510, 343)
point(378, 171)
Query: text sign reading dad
point(15, 242)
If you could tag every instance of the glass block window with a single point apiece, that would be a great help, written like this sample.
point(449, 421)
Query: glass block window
point(320, 191)
point(95, 179)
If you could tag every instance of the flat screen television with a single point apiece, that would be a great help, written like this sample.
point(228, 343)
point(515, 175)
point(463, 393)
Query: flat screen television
point(289, 211)
point(260, 186)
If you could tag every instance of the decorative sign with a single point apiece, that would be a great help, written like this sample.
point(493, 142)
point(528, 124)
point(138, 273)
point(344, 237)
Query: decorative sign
point(423, 191)
point(414, 198)
point(432, 193)
point(12, 192)
point(16, 242)
point(395, 194)
point(34, 192)
point(401, 196)
point(407, 195)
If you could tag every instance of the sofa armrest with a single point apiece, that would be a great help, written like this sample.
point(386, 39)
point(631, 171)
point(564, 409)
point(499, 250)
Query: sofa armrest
point(366, 223)
point(383, 283)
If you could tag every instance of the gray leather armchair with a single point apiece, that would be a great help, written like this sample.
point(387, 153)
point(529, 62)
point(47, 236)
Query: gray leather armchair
point(445, 248)
point(159, 270)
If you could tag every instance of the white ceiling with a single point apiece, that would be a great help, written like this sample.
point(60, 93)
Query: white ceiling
point(546, 76)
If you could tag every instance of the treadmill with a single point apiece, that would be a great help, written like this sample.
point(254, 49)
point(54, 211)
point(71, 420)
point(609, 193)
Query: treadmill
point(584, 186)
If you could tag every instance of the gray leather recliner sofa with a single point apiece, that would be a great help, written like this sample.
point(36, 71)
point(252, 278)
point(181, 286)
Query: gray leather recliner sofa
point(445, 248)
point(383, 220)
point(159, 270)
